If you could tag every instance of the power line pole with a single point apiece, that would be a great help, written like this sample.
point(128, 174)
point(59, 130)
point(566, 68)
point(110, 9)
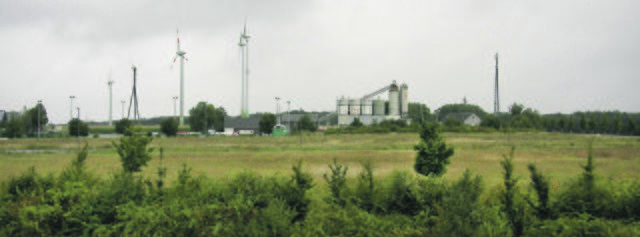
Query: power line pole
point(496, 103)
point(39, 105)
point(71, 106)
point(110, 83)
point(175, 99)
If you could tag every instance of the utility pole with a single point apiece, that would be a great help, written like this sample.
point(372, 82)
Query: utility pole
point(175, 99)
point(110, 83)
point(206, 129)
point(71, 106)
point(496, 103)
point(122, 102)
point(277, 110)
point(39, 105)
point(78, 125)
point(289, 115)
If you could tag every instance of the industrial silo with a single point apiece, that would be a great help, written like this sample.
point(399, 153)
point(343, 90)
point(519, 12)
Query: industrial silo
point(378, 107)
point(394, 102)
point(366, 107)
point(354, 107)
point(404, 99)
point(343, 106)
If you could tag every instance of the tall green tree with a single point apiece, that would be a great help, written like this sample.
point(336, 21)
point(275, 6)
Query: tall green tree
point(305, 124)
point(123, 125)
point(205, 116)
point(432, 153)
point(491, 121)
point(584, 124)
point(516, 109)
point(419, 112)
point(169, 127)
point(617, 124)
point(604, 124)
point(632, 127)
point(133, 150)
point(78, 127)
point(571, 123)
point(593, 123)
point(562, 124)
point(37, 116)
point(5, 120)
point(15, 128)
point(267, 122)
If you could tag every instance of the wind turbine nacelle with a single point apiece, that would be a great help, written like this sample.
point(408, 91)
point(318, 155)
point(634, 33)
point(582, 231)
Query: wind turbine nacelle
point(181, 53)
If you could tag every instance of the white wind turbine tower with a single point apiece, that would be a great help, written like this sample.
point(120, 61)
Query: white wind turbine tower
point(244, 48)
point(180, 53)
point(110, 83)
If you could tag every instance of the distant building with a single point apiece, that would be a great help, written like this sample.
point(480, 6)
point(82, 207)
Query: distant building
point(244, 125)
point(2, 114)
point(469, 119)
point(291, 120)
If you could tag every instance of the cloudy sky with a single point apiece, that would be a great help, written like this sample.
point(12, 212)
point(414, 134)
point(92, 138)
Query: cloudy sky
point(556, 56)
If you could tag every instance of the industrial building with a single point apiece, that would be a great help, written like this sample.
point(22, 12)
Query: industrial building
point(370, 110)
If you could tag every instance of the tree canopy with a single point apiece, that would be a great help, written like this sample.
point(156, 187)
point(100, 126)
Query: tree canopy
point(267, 122)
point(460, 108)
point(205, 116)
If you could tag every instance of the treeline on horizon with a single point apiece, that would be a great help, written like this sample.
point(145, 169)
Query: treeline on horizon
point(518, 118)
point(75, 202)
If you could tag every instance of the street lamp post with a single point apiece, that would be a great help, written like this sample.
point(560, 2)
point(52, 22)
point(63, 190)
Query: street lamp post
point(175, 99)
point(289, 114)
point(78, 123)
point(278, 110)
point(122, 102)
point(71, 106)
point(206, 130)
point(39, 103)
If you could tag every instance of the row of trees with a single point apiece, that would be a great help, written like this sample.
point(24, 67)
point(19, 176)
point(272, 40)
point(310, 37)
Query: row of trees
point(269, 120)
point(29, 123)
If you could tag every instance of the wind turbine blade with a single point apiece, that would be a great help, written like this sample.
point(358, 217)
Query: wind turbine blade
point(174, 58)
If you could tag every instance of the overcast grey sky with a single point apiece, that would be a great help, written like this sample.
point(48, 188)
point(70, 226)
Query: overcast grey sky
point(556, 56)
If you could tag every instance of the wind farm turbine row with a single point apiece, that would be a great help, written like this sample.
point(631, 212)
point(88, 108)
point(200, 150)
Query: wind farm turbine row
point(180, 54)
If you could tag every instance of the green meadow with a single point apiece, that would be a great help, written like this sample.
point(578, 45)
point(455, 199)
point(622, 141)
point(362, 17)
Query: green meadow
point(558, 155)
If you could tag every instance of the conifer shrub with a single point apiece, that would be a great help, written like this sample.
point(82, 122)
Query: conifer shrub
point(337, 183)
point(433, 154)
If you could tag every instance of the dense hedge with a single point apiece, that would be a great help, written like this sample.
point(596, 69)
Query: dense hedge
point(77, 203)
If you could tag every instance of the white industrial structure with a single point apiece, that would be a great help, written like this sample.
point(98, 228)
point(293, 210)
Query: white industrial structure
point(180, 54)
point(370, 110)
point(244, 48)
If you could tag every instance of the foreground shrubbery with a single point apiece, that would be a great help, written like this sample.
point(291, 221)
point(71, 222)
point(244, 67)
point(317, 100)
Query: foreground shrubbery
point(76, 203)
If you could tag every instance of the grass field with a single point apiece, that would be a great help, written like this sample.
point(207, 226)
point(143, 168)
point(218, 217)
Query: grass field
point(559, 155)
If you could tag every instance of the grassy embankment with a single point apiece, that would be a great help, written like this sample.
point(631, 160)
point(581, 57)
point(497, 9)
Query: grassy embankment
point(558, 155)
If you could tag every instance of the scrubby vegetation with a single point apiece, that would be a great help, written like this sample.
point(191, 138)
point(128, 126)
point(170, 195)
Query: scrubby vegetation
point(76, 202)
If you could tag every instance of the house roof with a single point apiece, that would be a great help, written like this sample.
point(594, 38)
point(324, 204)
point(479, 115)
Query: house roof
point(284, 118)
point(252, 122)
point(459, 116)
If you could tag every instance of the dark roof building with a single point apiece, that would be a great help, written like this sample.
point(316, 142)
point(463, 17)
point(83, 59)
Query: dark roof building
point(237, 123)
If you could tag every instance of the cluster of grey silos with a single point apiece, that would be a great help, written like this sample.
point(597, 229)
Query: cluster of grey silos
point(398, 104)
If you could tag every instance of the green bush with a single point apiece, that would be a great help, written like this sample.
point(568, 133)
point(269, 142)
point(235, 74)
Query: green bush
point(433, 154)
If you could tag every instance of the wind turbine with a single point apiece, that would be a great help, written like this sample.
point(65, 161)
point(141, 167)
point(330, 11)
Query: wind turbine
point(180, 54)
point(110, 83)
point(244, 48)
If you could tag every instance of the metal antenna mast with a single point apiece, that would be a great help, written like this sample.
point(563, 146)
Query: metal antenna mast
point(496, 103)
point(133, 101)
point(244, 48)
point(110, 83)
